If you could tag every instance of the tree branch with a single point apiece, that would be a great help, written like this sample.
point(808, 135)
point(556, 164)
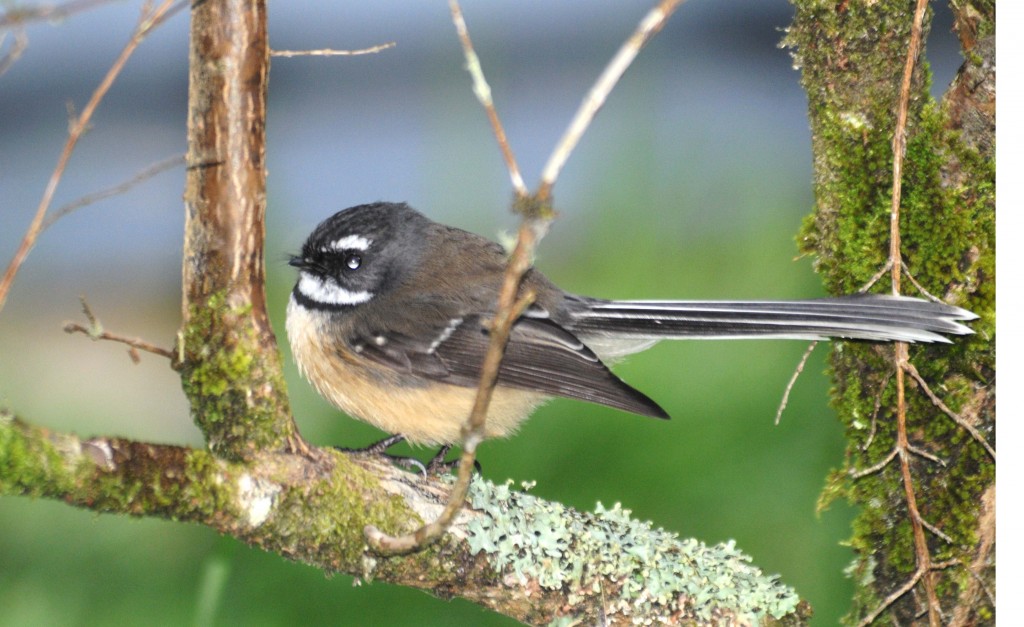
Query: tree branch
point(230, 365)
point(900, 183)
point(514, 553)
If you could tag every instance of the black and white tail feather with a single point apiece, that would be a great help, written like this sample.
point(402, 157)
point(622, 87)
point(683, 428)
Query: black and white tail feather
point(622, 327)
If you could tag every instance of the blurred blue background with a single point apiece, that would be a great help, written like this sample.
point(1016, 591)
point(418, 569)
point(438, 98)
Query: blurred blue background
point(691, 183)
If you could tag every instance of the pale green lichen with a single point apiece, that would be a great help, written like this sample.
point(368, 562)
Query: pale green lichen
point(652, 572)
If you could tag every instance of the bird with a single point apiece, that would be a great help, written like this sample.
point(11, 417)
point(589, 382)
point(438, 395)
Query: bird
point(389, 321)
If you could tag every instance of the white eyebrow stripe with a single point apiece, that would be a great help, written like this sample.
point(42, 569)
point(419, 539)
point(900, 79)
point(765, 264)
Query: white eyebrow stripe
point(350, 242)
point(329, 292)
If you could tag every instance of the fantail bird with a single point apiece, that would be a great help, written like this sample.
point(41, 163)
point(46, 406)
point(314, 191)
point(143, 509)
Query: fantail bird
point(388, 321)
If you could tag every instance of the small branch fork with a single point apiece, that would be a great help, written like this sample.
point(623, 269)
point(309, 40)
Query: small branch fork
point(903, 449)
point(537, 216)
point(95, 331)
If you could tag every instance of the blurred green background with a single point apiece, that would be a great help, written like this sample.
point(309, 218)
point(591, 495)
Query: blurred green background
point(691, 183)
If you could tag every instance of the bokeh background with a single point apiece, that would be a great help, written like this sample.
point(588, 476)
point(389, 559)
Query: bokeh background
point(691, 183)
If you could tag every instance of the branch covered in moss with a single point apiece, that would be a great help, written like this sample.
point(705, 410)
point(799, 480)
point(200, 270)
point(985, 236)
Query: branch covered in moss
point(533, 560)
point(851, 55)
point(229, 362)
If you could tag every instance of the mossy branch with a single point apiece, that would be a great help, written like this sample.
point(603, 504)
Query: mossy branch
point(530, 559)
point(851, 55)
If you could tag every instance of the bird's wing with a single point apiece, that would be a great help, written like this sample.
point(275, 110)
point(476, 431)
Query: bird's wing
point(541, 356)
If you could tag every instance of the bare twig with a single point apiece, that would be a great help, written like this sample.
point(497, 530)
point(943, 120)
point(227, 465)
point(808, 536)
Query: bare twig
point(473, 431)
point(920, 288)
point(482, 91)
point(957, 418)
point(120, 188)
point(649, 26)
point(920, 452)
point(878, 407)
point(936, 531)
point(899, 146)
point(892, 598)
point(96, 332)
point(792, 381)
point(876, 467)
point(47, 12)
point(537, 215)
point(330, 52)
point(877, 276)
point(150, 19)
point(17, 47)
point(899, 592)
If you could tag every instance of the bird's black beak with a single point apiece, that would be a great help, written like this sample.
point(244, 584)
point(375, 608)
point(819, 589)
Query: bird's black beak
point(299, 262)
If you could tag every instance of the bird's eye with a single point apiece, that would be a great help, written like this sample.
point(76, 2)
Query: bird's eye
point(353, 261)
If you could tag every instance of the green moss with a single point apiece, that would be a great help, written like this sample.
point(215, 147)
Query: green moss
point(237, 397)
point(852, 56)
point(30, 466)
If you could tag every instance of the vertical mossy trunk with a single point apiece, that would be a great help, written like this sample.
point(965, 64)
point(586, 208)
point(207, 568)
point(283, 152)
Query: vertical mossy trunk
point(851, 54)
point(228, 356)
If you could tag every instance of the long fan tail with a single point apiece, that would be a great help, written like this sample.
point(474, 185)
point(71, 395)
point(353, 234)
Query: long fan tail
point(861, 317)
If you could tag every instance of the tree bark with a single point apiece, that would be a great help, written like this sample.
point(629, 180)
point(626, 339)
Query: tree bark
point(851, 55)
point(230, 365)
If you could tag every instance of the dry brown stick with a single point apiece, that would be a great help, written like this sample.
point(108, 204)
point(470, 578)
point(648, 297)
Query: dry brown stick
point(899, 146)
point(510, 305)
point(473, 432)
point(870, 470)
point(96, 332)
point(47, 12)
point(878, 407)
point(17, 47)
point(482, 91)
point(331, 52)
point(649, 26)
point(957, 418)
point(537, 215)
point(792, 381)
point(899, 592)
point(148, 21)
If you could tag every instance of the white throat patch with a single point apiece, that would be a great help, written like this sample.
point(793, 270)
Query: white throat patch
point(328, 292)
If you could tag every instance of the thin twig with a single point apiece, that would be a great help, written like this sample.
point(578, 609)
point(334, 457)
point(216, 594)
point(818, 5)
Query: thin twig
point(148, 21)
point(537, 216)
point(482, 91)
point(892, 598)
point(936, 531)
point(96, 332)
point(649, 26)
point(899, 592)
point(143, 175)
point(899, 146)
point(47, 12)
point(792, 381)
point(876, 467)
point(920, 452)
point(878, 407)
point(957, 418)
point(878, 275)
point(330, 52)
point(17, 47)
point(920, 288)
point(473, 432)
